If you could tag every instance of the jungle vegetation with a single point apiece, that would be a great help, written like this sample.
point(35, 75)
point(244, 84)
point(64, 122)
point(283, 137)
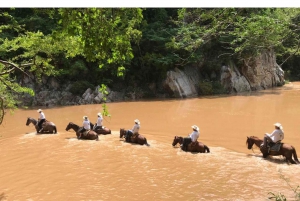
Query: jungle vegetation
point(104, 46)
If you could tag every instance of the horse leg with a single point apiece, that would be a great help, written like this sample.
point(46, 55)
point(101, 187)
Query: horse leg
point(55, 130)
point(146, 143)
point(206, 149)
point(295, 155)
point(291, 160)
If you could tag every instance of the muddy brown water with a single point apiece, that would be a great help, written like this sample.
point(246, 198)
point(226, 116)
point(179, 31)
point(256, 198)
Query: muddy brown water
point(60, 167)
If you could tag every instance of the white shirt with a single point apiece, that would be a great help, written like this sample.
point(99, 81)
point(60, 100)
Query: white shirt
point(86, 124)
point(276, 135)
point(99, 121)
point(136, 128)
point(194, 136)
point(42, 115)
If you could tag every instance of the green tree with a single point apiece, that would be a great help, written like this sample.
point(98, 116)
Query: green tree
point(233, 32)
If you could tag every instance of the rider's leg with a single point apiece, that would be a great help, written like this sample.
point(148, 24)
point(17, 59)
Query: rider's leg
point(128, 136)
point(40, 127)
point(267, 139)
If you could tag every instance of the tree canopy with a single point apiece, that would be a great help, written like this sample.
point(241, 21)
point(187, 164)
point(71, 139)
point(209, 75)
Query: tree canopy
point(107, 43)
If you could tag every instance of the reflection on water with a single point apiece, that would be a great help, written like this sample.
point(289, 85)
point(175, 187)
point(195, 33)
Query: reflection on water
point(60, 167)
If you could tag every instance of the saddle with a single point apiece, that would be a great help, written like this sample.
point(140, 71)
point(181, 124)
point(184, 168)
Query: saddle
point(86, 132)
point(194, 143)
point(275, 146)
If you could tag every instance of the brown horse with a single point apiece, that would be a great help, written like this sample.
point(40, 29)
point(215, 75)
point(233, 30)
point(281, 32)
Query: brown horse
point(91, 135)
point(199, 147)
point(139, 139)
point(47, 126)
point(286, 150)
point(103, 130)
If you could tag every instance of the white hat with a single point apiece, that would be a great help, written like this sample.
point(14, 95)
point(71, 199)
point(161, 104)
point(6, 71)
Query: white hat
point(39, 110)
point(278, 125)
point(85, 117)
point(99, 114)
point(137, 121)
point(195, 127)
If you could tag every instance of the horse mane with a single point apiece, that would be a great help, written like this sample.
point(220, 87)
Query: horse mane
point(254, 137)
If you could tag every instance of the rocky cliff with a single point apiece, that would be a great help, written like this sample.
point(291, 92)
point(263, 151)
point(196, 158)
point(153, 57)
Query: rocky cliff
point(259, 73)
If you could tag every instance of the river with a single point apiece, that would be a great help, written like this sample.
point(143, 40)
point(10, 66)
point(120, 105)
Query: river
point(60, 167)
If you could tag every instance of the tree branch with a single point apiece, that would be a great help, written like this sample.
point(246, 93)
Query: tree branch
point(7, 84)
point(14, 67)
point(291, 54)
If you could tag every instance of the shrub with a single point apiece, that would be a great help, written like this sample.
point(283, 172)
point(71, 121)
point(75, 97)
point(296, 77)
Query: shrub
point(211, 87)
point(79, 87)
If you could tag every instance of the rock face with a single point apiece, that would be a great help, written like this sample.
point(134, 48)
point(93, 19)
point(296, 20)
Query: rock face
point(262, 73)
point(182, 83)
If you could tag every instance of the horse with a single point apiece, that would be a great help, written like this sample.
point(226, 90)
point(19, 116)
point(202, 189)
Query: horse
point(198, 147)
point(139, 139)
point(91, 135)
point(285, 150)
point(103, 130)
point(47, 126)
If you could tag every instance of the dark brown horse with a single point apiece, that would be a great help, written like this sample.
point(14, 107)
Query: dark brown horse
point(198, 147)
point(91, 135)
point(139, 139)
point(47, 126)
point(286, 150)
point(103, 130)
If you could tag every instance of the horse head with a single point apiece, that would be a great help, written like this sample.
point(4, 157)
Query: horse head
point(253, 140)
point(249, 142)
point(176, 140)
point(31, 120)
point(122, 132)
point(71, 125)
point(28, 121)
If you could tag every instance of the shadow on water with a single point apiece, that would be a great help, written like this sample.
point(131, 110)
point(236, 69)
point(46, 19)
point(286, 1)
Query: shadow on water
point(131, 143)
point(2, 196)
point(178, 147)
point(71, 138)
point(272, 159)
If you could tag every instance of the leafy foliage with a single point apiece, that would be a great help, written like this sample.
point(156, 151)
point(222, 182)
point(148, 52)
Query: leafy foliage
point(105, 33)
point(94, 46)
point(32, 41)
point(239, 32)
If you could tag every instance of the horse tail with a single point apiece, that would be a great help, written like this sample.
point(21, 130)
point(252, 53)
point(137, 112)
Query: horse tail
point(146, 143)
point(295, 155)
point(206, 149)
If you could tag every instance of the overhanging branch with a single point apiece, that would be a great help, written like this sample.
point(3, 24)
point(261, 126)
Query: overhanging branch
point(14, 67)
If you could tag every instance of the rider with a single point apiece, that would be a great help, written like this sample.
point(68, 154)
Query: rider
point(42, 119)
point(191, 137)
point(98, 124)
point(86, 125)
point(134, 131)
point(276, 136)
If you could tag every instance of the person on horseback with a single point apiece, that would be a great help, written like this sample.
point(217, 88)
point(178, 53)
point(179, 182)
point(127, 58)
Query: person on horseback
point(86, 126)
point(134, 131)
point(275, 137)
point(192, 138)
point(41, 119)
point(98, 124)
